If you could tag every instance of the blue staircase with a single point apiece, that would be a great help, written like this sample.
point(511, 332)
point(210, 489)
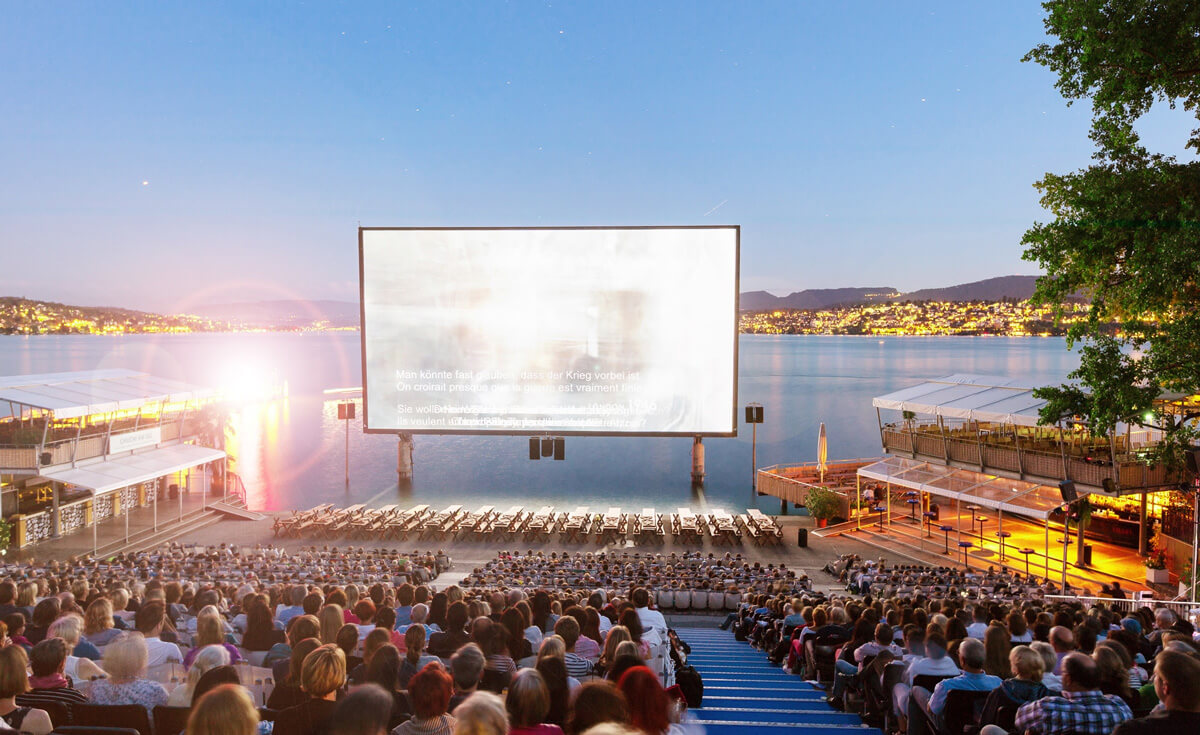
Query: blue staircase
point(745, 695)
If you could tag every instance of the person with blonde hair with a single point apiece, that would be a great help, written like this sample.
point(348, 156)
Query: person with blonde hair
point(98, 625)
point(1026, 686)
point(226, 710)
point(13, 681)
point(205, 659)
point(482, 713)
point(617, 635)
point(126, 660)
point(332, 619)
point(69, 627)
point(552, 646)
point(210, 632)
point(322, 676)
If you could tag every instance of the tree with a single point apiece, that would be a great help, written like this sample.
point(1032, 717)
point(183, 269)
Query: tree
point(1126, 230)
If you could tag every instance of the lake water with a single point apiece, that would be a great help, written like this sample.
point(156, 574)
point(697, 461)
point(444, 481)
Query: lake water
point(291, 451)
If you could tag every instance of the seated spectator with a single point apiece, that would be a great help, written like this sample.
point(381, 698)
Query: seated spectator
point(79, 669)
point(295, 595)
point(126, 661)
point(48, 683)
point(482, 713)
point(331, 619)
point(935, 662)
point(209, 632)
point(226, 710)
point(430, 691)
point(1177, 684)
point(347, 640)
point(649, 705)
point(558, 685)
point(322, 675)
point(149, 621)
point(288, 691)
point(971, 655)
point(455, 635)
point(596, 702)
point(213, 678)
point(15, 626)
point(997, 643)
point(365, 611)
point(528, 703)
point(466, 670)
point(1025, 686)
point(499, 664)
point(14, 683)
point(206, 659)
point(1082, 709)
point(301, 627)
point(567, 628)
point(1049, 660)
point(378, 638)
point(261, 633)
point(383, 670)
point(98, 622)
point(1063, 641)
point(44, 613)
point(627, 658)
point(366, 710)
point(415, 658)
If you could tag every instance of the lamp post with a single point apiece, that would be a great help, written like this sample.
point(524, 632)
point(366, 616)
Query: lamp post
point(345, 413)
point(754, 417)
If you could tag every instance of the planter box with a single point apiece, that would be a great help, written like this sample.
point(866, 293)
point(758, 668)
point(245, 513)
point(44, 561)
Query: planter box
point(1158, 576)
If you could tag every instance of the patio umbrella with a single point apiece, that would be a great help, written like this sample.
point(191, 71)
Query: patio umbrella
point(822, 451)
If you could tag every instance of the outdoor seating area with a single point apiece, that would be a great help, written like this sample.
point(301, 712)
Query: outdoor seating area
point(579, 526)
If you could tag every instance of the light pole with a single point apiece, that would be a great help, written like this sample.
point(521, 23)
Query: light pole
point(754, 417)
point(345, 413)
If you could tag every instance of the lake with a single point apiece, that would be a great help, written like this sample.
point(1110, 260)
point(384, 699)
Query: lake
point(291, 450)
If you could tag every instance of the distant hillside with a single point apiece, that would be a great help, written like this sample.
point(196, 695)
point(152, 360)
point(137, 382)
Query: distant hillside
point(814, 298)
point(284, 314)
point(990, 289)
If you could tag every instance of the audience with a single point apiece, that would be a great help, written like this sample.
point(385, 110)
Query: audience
point(322, 675)
point(13, 683)
point(126, 661)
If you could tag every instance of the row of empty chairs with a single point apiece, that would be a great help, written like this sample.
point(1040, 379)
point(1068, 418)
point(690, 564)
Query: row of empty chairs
point(517, 523)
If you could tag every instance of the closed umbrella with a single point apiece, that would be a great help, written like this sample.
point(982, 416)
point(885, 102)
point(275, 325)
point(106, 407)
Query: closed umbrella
point(822, 452)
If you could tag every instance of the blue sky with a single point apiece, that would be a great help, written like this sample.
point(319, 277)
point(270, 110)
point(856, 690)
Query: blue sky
point(161, 155)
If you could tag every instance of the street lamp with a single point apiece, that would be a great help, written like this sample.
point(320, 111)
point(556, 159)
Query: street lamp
point(754, 417)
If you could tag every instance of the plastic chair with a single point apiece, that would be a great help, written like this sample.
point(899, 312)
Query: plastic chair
point(170, 720)
point(699, 599)
point(732, 600)
point(132, 716)
point(683, 600)
point(716, 600)
point(90, 730)
point(963, 710)
point(666, 599)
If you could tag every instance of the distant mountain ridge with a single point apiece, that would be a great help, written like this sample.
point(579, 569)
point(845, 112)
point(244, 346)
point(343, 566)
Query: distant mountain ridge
point(1019, 288)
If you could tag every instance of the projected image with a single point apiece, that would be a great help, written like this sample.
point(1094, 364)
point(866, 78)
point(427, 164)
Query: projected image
point(554, 331)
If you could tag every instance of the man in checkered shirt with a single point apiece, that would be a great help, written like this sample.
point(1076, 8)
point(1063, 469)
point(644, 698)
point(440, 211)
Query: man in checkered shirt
point(1081, 709)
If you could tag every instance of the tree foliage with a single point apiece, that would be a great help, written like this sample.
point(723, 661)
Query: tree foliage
point(1126, 230)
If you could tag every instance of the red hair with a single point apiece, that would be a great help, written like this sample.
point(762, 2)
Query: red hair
point(430, 690)
point(647, 699)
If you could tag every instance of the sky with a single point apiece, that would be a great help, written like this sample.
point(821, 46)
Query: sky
point(164, 155)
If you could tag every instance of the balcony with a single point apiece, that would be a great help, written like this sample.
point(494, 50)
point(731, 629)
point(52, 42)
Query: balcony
point(21, 458)
point(1027, 454)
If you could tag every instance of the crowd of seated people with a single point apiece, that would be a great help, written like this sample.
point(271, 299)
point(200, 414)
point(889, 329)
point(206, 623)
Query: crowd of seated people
point(982, 652)
point(373, 651)
point(585, 571)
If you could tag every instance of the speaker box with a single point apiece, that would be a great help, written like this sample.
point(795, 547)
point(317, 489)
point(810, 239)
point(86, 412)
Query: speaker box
point(46, 458)
point(1067, 489)
point(547, 447)
point(749, 414)
point(560, 448)
point(754, 414)
point(535, 448)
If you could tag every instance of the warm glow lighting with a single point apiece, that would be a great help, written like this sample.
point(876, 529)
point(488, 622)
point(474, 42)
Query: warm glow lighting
point(249, 383)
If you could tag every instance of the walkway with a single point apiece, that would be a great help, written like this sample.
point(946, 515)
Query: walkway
point(744, 694)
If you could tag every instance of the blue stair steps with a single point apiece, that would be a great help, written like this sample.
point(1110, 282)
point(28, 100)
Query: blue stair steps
point(744, 694)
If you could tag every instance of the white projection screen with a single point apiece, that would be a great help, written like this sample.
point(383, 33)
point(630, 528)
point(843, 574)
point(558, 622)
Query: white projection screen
point(590, 330)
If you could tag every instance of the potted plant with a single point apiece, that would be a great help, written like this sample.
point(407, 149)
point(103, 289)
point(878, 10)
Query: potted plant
point(1156, 562)
point(822, 504)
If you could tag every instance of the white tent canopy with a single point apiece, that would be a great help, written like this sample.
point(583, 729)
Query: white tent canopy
point(87, 393)
point(123, 471)
point(968, 397)
point(1018, 497)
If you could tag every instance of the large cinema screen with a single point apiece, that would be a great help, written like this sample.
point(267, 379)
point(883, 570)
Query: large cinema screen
point(563, 331)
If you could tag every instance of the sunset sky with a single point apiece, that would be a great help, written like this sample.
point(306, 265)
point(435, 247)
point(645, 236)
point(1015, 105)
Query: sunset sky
point(164, 155)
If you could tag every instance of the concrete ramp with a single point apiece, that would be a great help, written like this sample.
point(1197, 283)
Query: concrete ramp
point(236, 512)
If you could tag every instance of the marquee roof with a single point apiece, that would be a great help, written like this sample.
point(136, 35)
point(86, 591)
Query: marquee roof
point(72, 395)
point(969, 397)
point(118, 472)
point(1028, 499)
